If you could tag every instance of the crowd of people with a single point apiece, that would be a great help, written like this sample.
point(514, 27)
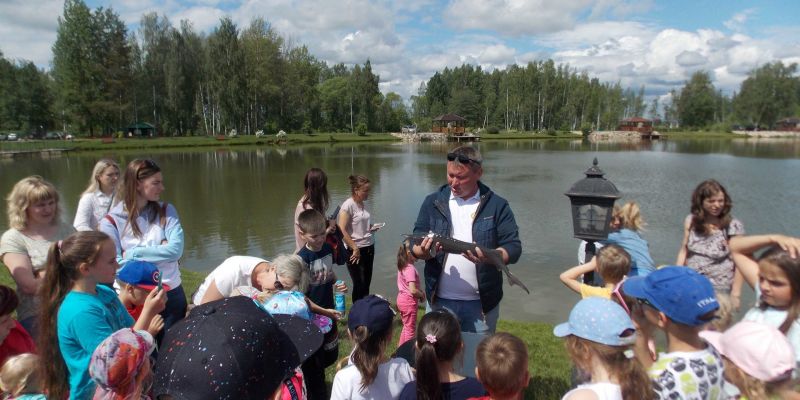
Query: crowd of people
point(101, 311)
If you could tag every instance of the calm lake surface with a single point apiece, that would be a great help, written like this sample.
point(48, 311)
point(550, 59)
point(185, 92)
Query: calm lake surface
point(241, 200)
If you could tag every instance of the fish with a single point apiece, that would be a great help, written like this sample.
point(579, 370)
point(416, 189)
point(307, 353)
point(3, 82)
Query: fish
point(455, 246)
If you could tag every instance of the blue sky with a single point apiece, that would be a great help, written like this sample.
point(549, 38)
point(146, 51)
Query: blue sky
point(658, 44)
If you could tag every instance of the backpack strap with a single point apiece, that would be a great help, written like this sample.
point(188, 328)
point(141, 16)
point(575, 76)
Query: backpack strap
point(111, 220)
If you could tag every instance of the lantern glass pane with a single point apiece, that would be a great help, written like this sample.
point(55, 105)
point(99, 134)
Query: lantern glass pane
point(592, 219)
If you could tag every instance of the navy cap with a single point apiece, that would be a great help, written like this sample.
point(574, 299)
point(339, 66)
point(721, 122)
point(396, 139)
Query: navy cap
point(141, 274)
point(373, 312)
point(679, 292)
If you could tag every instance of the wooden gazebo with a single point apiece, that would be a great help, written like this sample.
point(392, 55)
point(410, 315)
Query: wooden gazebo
point(450, 124)
point(141, 129)
point(791, 124)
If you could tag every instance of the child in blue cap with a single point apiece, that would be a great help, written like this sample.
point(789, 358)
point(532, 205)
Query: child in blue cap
point(599, 337)
point(136, 280)
point(678, 301)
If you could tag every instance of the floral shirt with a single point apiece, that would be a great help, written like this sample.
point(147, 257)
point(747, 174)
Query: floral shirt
point(710, 255)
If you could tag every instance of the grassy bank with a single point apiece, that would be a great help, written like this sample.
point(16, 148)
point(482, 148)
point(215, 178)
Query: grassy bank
point(548, 363)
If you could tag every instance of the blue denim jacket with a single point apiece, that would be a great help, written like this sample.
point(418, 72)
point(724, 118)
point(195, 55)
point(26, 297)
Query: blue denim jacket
point(493, 227)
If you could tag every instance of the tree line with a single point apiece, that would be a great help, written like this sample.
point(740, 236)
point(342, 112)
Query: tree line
point(251, 78)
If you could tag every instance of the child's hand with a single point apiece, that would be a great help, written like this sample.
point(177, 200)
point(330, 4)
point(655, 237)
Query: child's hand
point(341, 287)
point(156, 301)
point(332, 314)
point(421, 296)
point(156, 325)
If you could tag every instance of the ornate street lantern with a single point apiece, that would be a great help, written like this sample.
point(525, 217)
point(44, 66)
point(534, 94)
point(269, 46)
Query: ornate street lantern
point(592, 202)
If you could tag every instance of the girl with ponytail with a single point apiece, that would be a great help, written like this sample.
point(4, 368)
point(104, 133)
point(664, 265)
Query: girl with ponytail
point(80, 310)
point(439, 346)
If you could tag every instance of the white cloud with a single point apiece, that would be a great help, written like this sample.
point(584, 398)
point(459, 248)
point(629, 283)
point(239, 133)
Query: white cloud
point(690, 59)
point(28, 29)
point(514, 17)
point(737, 22)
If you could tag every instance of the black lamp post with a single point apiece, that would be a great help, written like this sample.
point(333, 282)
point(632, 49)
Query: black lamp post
point(592, 200)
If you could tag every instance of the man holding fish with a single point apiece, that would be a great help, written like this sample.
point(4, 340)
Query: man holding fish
point(466, 280)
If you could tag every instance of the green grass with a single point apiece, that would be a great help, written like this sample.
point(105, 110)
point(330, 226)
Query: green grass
point(548, 363)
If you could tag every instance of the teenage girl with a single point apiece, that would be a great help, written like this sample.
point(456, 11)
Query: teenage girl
point(599, 337)
point(146, 229)
point(354, 223)
point(371, 374)
point(408, 292)
point(98, 197)
point(438, 345)
point(79, 311)
point(777, 282)
point(707, 231)
point(315, 197)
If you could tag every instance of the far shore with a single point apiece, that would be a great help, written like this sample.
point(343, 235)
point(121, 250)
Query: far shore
point(100, 144)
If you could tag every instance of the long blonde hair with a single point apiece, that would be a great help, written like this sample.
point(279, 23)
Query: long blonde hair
point(25, 193)
point(99, 167)
point(628, 372)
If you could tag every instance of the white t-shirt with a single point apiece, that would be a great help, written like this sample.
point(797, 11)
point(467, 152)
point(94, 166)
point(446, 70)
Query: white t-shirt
point(603, 391)
point(392, 377)
point(233, 272)
point(459, 280)
point(690, 375)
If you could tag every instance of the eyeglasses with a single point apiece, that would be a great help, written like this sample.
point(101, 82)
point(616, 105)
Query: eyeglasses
point(462, 159)
point(645, 302)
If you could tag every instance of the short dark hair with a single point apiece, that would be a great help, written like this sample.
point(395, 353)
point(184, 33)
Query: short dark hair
point(312, 222)
point(8, 300)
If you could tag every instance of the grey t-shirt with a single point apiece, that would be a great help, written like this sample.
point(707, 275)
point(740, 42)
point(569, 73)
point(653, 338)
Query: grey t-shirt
point(14, 241)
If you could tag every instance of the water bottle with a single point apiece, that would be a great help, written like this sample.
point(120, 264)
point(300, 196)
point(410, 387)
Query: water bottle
point(338, 299)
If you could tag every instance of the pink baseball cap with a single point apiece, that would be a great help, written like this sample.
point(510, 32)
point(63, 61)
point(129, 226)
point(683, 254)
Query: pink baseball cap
point(761, 351)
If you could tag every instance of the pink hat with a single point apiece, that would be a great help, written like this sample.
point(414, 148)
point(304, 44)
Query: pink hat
point(761, 351)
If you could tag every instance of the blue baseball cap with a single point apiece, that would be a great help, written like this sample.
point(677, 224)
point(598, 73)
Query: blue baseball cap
point(141, 274)
point(682, 294)
point(599, 320)
point(373, 312)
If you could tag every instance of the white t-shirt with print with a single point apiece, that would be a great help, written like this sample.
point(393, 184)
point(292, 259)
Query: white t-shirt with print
point(459, 280)
point(392, 377)
point(695, 375)
point(233, 272)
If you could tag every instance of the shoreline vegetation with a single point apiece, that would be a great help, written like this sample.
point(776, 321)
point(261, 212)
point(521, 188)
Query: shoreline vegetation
point(105, 144)
point(548, 361)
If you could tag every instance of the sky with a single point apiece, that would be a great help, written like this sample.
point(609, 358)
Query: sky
point(655, 44)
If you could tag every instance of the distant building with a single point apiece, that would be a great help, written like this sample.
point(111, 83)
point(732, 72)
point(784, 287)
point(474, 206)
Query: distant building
point(791, 124)
point(450, 124)
point(141, 129)
point(636, 124)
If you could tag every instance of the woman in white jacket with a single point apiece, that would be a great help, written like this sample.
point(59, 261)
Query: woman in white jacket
point(99, 196)
point(147, 229)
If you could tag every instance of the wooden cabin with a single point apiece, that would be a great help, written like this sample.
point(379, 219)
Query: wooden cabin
point(450, 124)
point(791, 124)
point(636, 124)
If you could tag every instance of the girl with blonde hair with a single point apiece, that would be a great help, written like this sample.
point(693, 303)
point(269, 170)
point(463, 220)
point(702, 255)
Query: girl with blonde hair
point(99, 196)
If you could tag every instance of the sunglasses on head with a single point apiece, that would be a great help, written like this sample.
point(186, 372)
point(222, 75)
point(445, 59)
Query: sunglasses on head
point(645, 302)
point(147, 164)
point(462, 159)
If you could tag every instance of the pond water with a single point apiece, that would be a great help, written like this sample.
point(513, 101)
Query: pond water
point(241, 200)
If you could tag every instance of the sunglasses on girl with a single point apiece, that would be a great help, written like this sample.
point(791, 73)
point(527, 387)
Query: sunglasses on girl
point(616, 292)
point(462, 159)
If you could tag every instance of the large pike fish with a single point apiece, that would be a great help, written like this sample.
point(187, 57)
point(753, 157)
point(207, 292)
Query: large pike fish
point(454, 246)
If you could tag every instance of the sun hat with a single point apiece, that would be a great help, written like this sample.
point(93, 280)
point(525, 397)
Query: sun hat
point(760, 350)
point(680, 293)
point(373, 312)
point(231, 349)
point(599, 320)
point(294, 303)
point(118, 360)
point(141, 274)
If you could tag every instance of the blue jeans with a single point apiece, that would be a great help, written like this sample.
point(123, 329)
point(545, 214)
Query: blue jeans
point(470, 314)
